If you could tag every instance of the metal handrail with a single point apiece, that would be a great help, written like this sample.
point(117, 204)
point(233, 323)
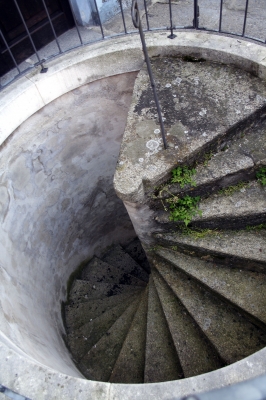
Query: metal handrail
point(195, 24)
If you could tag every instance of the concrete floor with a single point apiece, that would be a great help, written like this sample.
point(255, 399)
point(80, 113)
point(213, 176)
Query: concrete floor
point(158, 13)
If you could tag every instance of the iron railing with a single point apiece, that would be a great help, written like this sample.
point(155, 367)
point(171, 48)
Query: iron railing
point(197, 19)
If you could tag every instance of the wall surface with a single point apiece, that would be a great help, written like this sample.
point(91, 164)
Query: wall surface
point(57, 208)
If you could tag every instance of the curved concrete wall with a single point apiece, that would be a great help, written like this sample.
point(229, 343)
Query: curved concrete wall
point(57, 205)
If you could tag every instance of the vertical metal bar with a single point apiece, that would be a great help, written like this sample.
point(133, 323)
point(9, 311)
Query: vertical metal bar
point(245, 19)
point(98, 14)
point(146, 13)
point(221, 16)
point(172, 36)
point(196, 14)
point(123, 16)
point(76, 25)
point(55, 36)
point(10, 52)
point(28, 32)
point(137, 23)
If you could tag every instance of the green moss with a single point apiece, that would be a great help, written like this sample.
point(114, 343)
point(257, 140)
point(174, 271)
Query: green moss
point(198, 233)
point(228, 191)
point(261, 175)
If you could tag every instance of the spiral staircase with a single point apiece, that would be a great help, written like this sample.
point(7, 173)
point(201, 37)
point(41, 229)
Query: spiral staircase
point(199, 303)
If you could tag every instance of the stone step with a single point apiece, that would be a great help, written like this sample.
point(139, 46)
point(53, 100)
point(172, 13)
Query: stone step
point(81, 340)
point(84, 291)
point(232, 335)
point(200, 114)
point(161, 360)
point(118, 257)
point(244, 289)
point(244, 153)
point(196, 354)
point(129, 367)
point(77, 315)
point(244, 207)
point(100, 360)
point(135, 250)
point(245, 250)
point(99, 271)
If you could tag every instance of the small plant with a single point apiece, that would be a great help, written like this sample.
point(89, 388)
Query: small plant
point(256, 227)
point(207, 158)
point(232, 189)
point(183, 176)
point(183, 209)
point(199, 233)
point(261, 175)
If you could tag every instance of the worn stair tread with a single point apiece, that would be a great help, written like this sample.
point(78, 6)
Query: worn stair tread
point(239, 249)
point(245, 289)
point(161, 360)
point(118, 257)
point(248, 204)
point(100, 360)
point(232, 335)
point(244, 207)
point(81, 340)
point(196, 354)
point(84, 291)
point(228, 167)
point(77, 315)
point(99, 271)
point(135, 250)
point(129, 367)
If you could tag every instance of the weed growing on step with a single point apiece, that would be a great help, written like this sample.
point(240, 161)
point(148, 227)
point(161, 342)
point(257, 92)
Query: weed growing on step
point(228, 191)
point(207, 158)
point(183, 176)
point(256, 227)
point(183, 209)
point(261, 175)
point(199, 233)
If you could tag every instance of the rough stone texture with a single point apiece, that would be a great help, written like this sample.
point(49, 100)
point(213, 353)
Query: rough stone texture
point(201, 103)
point(99, 271)
point(243, 249)
point(235, 162)
point(232, 335)
point(244, 289)
point(161, 360)
point(79, 314)
point(117, 256)
point(81, 340)
point(82, 291)
point(195, 353)
point(130, 364)
point(98, 363)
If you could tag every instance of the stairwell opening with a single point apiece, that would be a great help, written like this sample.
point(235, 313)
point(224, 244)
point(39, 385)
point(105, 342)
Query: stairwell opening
point(43, 237)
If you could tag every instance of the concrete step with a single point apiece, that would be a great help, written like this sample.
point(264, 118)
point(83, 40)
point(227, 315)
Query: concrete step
point(129, 367)
point(232, 335)
point(100, 360)
point(84, 291)
point(161, 360)
point(82, 339)
point(79, 314)
point(244, 289)
point(196, 354)
point(135, 250)
point(118, 257)
point(244, 207)
point(245, 250)
point(99, 271)
point(236, 162)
